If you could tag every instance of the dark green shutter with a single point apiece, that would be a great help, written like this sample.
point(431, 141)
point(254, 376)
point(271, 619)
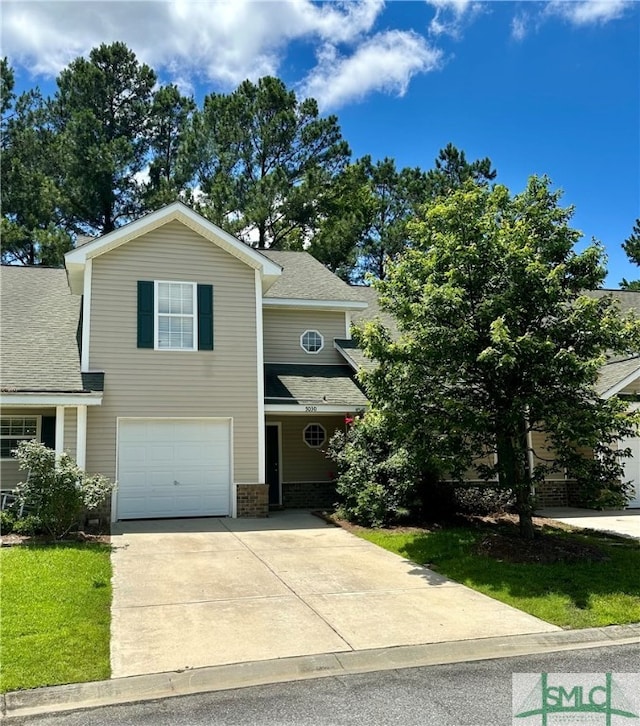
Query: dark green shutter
point(48, 431)
point(145, 314)
point(205, 317)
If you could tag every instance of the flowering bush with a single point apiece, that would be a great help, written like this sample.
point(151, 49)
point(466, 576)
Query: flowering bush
point(56, 490)
point(376, 478)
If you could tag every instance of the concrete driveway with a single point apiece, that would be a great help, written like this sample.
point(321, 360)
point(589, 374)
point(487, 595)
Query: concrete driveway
point(201, 592)
point(625, 522)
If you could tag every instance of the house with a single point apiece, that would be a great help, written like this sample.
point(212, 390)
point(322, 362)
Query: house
point(199, 373)
point(204, 376)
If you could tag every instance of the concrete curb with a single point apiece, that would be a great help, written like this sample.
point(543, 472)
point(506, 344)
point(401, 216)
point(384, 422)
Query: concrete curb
point(79, 696)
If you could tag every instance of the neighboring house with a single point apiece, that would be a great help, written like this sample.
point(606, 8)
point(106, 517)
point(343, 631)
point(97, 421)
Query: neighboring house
point(198, 372)
point(204, 376)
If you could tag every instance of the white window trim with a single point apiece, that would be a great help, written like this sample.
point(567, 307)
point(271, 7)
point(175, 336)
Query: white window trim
point(304, 437)
point(156, 314)
point(37, 436)
point(312, 352)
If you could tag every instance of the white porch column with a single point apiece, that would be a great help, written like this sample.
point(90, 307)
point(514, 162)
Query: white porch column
point(59, 430)
point(81, 437)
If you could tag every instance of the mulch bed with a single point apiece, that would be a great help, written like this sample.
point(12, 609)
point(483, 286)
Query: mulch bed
point(13, 540)
point(544, 549)
point(502, 542)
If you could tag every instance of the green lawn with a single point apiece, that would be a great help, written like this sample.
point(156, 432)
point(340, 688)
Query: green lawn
point(55, 614)
point(578, 595)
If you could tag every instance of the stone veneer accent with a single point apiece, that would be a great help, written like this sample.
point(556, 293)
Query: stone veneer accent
point(309, 495)
point(253, 500)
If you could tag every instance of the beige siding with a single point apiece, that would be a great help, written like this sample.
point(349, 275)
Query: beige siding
point(300, 462)
point(631, 390)
point(283, 328)
point(150, 383)
point(543, 454)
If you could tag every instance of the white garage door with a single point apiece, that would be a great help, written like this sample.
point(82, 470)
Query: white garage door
point(173, 468)
point(632, 470)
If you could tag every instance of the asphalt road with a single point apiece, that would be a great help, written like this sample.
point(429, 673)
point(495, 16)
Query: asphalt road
point(463, 694)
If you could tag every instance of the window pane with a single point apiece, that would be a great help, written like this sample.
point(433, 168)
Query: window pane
point(30, 426)
point(314, 435)
point(312, 341)
point(17, 426)
point(175, 332)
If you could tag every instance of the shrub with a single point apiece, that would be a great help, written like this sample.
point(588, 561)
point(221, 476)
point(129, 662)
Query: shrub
point(7, 520)
point(28, 525)
point(376, 478)
point(57, 491)
point(483, 499)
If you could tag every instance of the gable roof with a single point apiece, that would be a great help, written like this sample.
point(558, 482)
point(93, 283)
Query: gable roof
point(38, 335)
point(305, 279)
point(76, 259)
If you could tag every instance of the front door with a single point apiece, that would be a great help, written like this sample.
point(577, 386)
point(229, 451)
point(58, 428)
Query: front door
point(273, 463)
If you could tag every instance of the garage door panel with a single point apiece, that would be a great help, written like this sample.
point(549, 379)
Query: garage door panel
point(173, 468)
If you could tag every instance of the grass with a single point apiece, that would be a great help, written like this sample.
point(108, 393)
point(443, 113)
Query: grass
point(55, 614)
point(577, 595)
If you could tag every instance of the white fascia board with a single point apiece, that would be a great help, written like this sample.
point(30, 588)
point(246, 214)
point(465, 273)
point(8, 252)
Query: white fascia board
point(76, 258)
point(621, 384)
point(311, 409)
point(283, 302)
point(50, 399)
point(347, 357)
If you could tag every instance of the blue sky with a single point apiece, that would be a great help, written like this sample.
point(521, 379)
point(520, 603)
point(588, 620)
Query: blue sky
point(539, 87)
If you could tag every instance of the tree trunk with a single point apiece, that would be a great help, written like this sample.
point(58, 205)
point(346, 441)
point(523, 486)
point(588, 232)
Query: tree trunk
point(513, 474)
point(525, 510)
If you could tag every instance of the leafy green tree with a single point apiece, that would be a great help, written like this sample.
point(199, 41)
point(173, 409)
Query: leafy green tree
point(498, 340)
point(101, 111)
point(168, 118)
point(632, 247)
point(260, 159)
point(30, 181)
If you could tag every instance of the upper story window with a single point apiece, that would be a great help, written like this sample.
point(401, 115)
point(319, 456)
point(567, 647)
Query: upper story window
point(14, 429)
point(311, 341)
point(175, 316)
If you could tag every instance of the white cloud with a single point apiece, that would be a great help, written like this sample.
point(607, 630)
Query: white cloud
point(386, 62)
point(519, 27)
point(452, 16)
point(585, 12)
point(223, 41)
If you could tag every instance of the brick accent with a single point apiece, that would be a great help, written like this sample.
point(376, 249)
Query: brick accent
point(253, 500)
point(551, 494)
point(102, 513)
point(309, 495)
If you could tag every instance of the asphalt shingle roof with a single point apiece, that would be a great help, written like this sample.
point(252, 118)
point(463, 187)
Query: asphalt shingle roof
point(305, 278)
point(311, 385)
point(615, 371)
point(352, 354)
point(39, 324)
point(370, 296)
